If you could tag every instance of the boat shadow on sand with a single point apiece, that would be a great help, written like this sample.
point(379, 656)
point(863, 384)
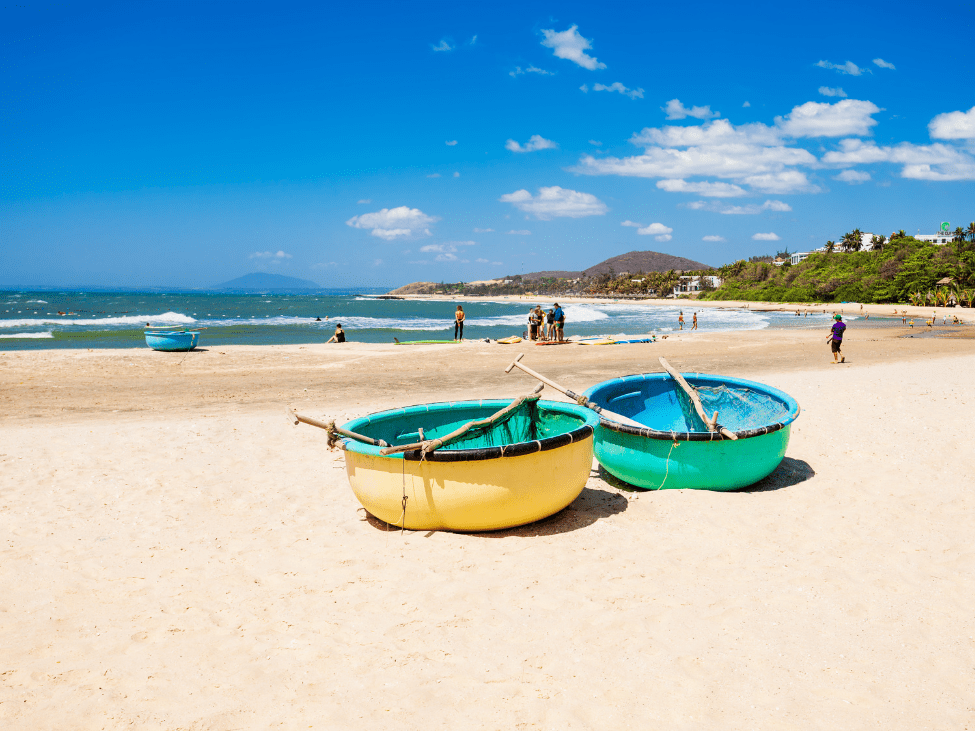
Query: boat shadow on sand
point(789, 472)
point(597, 502)
point(592, 504)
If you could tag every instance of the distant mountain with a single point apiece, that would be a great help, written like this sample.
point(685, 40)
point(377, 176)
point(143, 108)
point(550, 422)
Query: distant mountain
point(260, 282)
point(559, 274)
point(644, 261)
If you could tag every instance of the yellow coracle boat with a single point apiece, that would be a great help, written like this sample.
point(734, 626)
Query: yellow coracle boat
point(526, 465)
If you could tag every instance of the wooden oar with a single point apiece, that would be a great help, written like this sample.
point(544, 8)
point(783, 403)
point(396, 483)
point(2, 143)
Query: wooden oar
point(579, 399)
point(712, 423)
point(330, 427)
point(428, 446)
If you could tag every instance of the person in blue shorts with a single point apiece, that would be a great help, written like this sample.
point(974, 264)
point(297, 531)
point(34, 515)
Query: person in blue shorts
point(559, 317)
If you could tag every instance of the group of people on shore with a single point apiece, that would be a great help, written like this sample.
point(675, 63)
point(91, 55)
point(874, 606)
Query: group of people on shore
point(546, 325)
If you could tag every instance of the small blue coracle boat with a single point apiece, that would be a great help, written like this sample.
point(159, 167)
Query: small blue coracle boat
point(170, 340)
point(675, 448)
point(466, 466)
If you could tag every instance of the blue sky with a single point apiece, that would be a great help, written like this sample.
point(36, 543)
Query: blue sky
point(189, 143)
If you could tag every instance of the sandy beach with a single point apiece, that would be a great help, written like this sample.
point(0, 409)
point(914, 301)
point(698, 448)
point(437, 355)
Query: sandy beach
point(177, 554)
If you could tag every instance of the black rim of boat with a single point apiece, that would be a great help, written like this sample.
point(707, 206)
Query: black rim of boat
point(509, 450)
point(688, 436)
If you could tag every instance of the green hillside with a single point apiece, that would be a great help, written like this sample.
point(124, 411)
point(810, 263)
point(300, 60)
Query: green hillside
point(902, 271)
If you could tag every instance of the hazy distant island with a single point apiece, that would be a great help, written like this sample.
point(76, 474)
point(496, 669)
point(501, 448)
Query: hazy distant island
point(261, 282)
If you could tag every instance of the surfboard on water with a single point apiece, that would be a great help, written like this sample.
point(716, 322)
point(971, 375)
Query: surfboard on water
point(509, 340)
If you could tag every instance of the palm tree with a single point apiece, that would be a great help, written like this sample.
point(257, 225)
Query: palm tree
point(849, 241)
point(830, 247)
point(971, 231)
point(878, 242)
point(959, 234)
point(857, 235)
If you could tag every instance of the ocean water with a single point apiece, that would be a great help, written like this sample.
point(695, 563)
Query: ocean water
point(31, 320)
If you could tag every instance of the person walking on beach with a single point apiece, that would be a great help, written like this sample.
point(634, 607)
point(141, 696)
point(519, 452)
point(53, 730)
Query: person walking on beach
point(559, 317)
point(550, 325)
point(680, 320)
point(459, 323)
point(694, 322)
point(835, 339)
point(339, 336)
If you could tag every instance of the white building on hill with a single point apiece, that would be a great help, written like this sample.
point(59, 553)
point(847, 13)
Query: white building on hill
point(690, 284)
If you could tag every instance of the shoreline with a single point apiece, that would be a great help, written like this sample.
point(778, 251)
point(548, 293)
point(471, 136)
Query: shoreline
point(845, 308)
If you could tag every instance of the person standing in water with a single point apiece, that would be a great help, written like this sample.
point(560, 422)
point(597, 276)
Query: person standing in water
point(680, 319)
point(694, 322)
point(835, 339)
point(459, 323)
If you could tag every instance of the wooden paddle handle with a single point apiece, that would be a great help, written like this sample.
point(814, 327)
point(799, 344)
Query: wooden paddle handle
point(338, 430)
point(579, 399)
point(710, 423)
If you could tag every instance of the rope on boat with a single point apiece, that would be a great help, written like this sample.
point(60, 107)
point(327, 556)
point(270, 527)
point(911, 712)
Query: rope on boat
point(675, 443)
point(427, 446)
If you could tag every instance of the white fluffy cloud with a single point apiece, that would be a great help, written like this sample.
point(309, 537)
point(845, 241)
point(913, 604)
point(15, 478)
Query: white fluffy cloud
point(530, 70)
point(749, 210)
point(394, 223)
point(884, 64)
point(450, 143)
point(822, 119)
point(483, 230)
point(447, 251)
point(766, 237)
point(632, 224)
point(521, 232)
point(784, 181)
point(618, 87)
point(556, 202)
point(853, 177)
point(831, 91)
point(713, 238)
point(712, 190)
point(570, 45)
point(849, 67)
point(920, 162)
point(953, 126)
point(535, 142)
point(676, 110)
point(656, 229)
point(270, 255)
point(754, 157)
point(442, 46)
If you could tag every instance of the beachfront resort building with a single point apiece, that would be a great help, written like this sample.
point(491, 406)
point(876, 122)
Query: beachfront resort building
point(690, 284)
point(939, 239)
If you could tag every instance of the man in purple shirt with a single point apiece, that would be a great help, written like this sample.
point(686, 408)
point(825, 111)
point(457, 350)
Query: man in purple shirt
point(835, 339)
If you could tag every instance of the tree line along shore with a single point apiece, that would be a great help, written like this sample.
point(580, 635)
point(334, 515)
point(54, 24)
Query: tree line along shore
point(899, 269)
